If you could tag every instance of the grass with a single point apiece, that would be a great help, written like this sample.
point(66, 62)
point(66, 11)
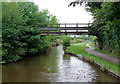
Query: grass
point(79, 48)
point(91, 44)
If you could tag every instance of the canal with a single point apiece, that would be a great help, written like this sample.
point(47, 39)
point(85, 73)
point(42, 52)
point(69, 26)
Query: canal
point(54, 66)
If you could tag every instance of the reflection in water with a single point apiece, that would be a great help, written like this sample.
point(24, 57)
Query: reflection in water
point(53, 67)
point(66, 57)
point(72, 69)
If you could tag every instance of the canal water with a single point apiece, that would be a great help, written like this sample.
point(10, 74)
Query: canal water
point(54, 66)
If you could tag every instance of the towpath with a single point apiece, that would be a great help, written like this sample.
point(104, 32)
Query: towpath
point(91, 50)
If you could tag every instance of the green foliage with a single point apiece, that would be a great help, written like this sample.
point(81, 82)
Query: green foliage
point(102, 68)
point(20, 36)
point(112, 36)
point(90, 38)
point(53, 20)
point(66, 42)
point(106, 23)
point(94, 39)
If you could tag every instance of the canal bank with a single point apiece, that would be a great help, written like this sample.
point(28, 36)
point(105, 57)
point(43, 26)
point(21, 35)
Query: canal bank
point(55, 66)
point(111, 73)
point(78, 50)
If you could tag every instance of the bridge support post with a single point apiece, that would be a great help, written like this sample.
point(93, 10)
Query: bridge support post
point(77, 31)
point(65, 24)
point(65, 32)
point(59, 31)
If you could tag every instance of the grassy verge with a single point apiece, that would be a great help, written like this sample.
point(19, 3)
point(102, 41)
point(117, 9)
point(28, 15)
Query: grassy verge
point(79, 48)
point(91, 44)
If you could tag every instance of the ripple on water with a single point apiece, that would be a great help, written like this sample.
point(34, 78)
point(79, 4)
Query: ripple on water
point(53, 67)
point(74, 70)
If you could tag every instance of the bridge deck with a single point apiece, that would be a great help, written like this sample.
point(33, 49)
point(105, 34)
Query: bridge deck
point(65, 29)
point(64, 33)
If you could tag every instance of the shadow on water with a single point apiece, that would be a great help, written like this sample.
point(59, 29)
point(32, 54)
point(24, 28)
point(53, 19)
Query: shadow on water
point(54, 66)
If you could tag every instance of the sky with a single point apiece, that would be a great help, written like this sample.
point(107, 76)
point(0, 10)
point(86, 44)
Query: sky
point(65, 14)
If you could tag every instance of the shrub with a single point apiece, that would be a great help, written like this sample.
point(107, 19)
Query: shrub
point(20, 35)
point(66, 42)
point(94, 39)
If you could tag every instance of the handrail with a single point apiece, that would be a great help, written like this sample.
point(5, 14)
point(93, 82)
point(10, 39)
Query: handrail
point(64, 23)
point(64, 28)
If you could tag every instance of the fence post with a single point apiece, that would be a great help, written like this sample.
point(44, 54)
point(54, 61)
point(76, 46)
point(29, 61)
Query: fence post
point(77, 25)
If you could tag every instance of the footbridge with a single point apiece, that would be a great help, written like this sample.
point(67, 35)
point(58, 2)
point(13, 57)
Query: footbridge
point(65, 29)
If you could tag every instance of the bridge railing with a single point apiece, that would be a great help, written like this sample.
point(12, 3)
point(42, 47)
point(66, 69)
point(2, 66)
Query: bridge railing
point(64, 27)
point(65, 24)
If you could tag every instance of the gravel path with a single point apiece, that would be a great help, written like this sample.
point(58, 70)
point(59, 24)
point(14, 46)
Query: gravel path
point(91, 50)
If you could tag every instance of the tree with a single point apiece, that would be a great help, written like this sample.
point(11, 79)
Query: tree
point(20, 30)
point(106, 23)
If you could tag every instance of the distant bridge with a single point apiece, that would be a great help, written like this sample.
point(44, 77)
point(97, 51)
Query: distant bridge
point(65, 29)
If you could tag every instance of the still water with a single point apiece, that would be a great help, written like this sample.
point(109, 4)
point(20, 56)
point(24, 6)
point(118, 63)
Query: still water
point(54, 66)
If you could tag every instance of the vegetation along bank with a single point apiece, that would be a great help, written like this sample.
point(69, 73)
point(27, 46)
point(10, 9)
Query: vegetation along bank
point(20, 37)
point(79, 49)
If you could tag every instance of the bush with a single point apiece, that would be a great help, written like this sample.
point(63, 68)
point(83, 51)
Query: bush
point(94, 39)
point(20, 35)
point(66, 42)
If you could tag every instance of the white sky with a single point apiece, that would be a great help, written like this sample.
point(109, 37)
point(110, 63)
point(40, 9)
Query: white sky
point(65, 14)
